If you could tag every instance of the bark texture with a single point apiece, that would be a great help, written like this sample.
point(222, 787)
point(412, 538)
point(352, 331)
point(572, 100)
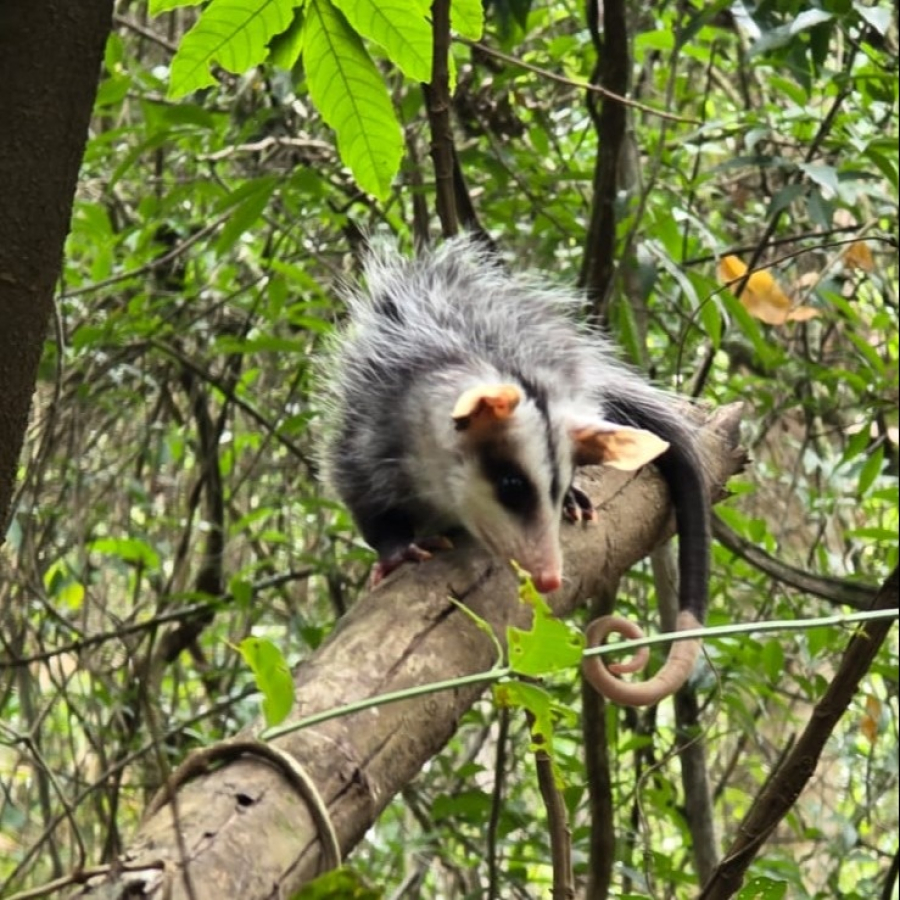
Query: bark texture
point(246, 833)
point(50, 55)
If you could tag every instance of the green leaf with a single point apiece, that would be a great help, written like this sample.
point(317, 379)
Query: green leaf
point(467, 18)
point(706, 14)
point(285, 48)
point(785, 197)
point(130, 550)
point(763, 888)
point(68, 593)
point(825, 176)
point(272, 676)
point(538, 702)
point(773, 660)
point(348, 90)
point(711, 317)
point(874, 533)
point(112, 91)
point(549, 645)
point(856, 444)
point(233, 34)
point(871, 470)
point(469, 806)
point(886, 163)
point(878, 17)
point(254, 197)
point(821, 210)
point(627, 330)
point(403, 32)
point(868, 352)
point(338, 884)
point(242, 591)
point(264, 344)
point(809, 18)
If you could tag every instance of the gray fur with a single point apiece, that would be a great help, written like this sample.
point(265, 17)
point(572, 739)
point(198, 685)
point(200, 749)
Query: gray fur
point(421, 332)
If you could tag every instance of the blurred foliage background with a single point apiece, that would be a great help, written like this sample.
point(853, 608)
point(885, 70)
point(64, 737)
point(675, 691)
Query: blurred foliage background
point(168, 504)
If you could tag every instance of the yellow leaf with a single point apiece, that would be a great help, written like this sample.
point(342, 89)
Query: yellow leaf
point(869, 724)
point(802, 314)
point(762, 295)
point(730, 268)
point(859, 256)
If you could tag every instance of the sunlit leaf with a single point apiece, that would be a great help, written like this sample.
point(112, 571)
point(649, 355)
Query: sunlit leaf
point(762, 296)
point(233, 34)
point(404, 32)
point(871, 470)
point(350, 93)
point(549, 645)
point(878, 17)
point(809, 18)
point(825, 176)
point(773, 660)
point(543, 710)
point(467, 18)
point(131, 550)
point(272, 676)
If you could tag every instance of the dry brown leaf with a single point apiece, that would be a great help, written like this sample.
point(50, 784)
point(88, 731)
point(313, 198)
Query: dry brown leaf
point(869, 724)
point(762, 296)
point(803, 314)
point(859, 256)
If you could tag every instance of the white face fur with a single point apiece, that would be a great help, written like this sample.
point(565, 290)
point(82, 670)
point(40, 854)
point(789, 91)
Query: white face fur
point(508, 486)
point(501, 463)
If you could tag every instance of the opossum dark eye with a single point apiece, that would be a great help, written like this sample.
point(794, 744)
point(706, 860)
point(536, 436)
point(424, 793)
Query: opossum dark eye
point(512, 488)
point(509, 489)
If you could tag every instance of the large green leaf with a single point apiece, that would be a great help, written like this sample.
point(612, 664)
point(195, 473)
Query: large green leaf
point(233, 34)
point(467, 18)
point(350, 94)
point(399, 27)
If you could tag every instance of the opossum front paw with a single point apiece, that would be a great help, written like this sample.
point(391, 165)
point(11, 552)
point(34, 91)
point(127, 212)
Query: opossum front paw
point(419, 551)
point(577, 506)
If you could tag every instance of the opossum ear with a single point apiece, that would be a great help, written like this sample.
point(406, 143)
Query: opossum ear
point(609, 444)
point(485, 404)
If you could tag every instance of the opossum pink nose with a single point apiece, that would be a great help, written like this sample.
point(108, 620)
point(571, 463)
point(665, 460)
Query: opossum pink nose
point(546, 582)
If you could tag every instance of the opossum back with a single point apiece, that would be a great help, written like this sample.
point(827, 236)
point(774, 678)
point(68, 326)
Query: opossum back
point(455, 308)
point(457, 304)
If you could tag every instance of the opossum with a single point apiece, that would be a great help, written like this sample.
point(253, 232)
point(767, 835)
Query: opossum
point(461, 395)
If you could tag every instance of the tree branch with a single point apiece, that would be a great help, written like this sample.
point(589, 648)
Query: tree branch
point(247, 834)
point(438, 99)
point(797, 768)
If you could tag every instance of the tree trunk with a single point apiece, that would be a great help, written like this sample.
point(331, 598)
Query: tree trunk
point(50, 55)
point(246, 832)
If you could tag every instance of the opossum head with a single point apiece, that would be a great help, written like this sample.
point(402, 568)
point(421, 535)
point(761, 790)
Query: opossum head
point(516, 456)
